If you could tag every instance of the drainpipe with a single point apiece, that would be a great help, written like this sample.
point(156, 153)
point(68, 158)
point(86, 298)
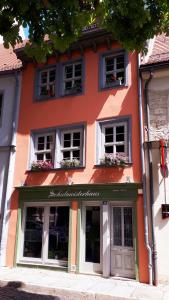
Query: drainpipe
point(150, 159)
point(5, 206)
point(146, 226)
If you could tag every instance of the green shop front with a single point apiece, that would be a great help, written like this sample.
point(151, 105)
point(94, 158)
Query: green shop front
point(79, 228)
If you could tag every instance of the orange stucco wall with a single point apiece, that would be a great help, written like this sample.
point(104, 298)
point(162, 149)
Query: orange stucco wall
point(89, 107)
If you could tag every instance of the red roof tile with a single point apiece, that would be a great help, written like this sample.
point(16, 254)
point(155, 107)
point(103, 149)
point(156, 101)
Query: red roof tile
point(160, 51)
point(8, 59)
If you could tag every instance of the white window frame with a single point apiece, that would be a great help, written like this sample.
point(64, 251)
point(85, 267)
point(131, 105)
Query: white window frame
point(44, 259)
point(115, 71)
point(73, 78)
point(48, 83)
point(72, 148)
point(45, 151)
point(114, 143)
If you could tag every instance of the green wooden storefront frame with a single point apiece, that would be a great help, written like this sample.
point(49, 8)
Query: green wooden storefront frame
point(79, 192)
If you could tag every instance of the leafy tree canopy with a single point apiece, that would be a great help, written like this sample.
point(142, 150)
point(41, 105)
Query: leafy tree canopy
point(132, 22)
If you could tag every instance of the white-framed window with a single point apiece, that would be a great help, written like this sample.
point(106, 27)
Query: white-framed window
point(44, 147)
point(114, 140)
point(72, 78)
point(72, 146)
point(47, 83)
point(44, 233)
point(59, 147)
point(113, 69)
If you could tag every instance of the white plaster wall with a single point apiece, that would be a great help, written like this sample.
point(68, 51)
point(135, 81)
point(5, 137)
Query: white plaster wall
point(161, 194)
point(7, 87)
point(3, 166)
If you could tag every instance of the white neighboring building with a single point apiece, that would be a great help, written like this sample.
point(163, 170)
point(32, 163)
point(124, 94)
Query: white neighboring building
point(155, 74)
point(10, 77)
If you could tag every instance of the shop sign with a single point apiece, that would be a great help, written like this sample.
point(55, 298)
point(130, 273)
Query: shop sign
point(81, 194)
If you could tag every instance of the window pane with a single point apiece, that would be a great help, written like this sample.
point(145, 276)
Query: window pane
point(78, 85)
point(109, 149)
point(120, 149)
point(128, 227)
point(109, 64)
point(52, 75)
point(68, 72)
point(78, 70)
point(58, 233)
point(43, 77)
point(76, 139)
point(76, 154)
point(120, 77)
point(43, 90)
point(117, 234)
point(120, 62)
point(33, 232)
point(48, 157)
point(41, 143)
point(0, 107)
point(49, 142)
point(92, 251)
point(51, 91)
point(40, 156)
point(67, 140)
point(66, 155)
point(109, 135)
point(119, 133)
point(68, 85)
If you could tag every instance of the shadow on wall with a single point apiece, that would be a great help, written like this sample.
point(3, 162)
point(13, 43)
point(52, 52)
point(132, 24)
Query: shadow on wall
point(107, 175)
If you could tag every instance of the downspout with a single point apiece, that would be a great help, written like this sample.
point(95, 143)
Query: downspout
point(9, 174)
point(146, 227)
point(154, 249)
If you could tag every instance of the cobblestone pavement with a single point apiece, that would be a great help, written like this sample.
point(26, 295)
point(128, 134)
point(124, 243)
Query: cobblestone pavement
point(15, 292)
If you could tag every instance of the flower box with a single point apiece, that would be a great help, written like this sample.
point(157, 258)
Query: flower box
point(41, 165)
point(65, 163)
point(114, 160)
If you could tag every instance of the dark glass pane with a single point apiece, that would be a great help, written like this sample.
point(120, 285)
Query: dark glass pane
point(120, 149)
point(43, 90)
point(48, 157)
point(49, 142)
point(41, 143)
point(33, 232)
point(68, 85)
point(40, 156)
point(111, 79)
point(78, 85)
point(109, 135)
point(66, 155)
point(120, 133)
point(120, 77)
point(120, 62)
point(76, 154)
point(51, 91)
point(78, 70)
point(67, 140)
point(92, 251)
point(58, 233)
point(109, 64)
point(109, 149)
point(128, 227)
point(76, 139)
point(117, 234)
point(52, 75)
point(68, 72)
point(43, 77)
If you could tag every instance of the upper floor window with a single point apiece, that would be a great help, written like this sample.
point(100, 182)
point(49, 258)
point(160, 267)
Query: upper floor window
point(113, 70)
point(72, 78)
point(47, 83)
point(44, 147)
point(114, 141)
point(71, 146)
point(58, 148)
point(1, 101)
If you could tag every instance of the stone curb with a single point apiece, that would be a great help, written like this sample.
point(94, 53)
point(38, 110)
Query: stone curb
point(69, 294)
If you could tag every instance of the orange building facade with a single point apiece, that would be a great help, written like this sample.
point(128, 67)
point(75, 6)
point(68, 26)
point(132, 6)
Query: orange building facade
point(77, 202)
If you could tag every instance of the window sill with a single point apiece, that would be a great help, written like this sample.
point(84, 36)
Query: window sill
point(113, 166)
point(112, 87)
point(56, 169)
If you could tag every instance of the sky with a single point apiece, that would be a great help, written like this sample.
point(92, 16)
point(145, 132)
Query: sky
point(23, 33)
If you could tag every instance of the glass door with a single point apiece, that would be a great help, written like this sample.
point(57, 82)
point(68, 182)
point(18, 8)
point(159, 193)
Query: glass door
point(91, 241)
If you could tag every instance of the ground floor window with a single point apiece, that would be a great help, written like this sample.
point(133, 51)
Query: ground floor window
point(46, 233)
